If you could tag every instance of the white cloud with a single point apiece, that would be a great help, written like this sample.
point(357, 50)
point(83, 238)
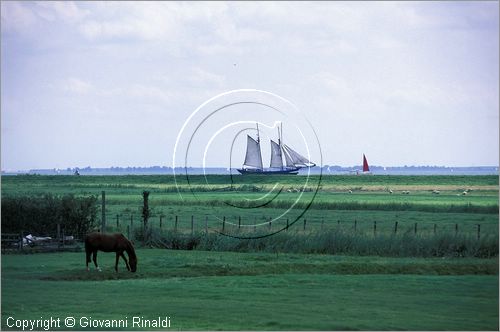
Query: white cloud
point(76, 85)
point(203, 77)
point(16, 16)
point(67, 11)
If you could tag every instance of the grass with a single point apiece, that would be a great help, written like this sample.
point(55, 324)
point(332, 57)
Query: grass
point(235, 291)
point(370, 200)
point(337, 274)
point(167, 183)
point(335, 243)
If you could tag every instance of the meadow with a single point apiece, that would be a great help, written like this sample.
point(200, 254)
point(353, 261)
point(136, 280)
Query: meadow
point(332, 202)
point(355, 255)
point(201, 290)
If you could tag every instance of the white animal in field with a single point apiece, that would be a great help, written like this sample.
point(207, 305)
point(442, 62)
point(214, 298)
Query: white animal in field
point(350, 191)
point(390, 191)
point(436, 192)
point(464, 193)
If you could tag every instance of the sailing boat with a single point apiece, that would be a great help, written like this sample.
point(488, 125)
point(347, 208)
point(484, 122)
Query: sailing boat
point(253, 158)
point(366, 168)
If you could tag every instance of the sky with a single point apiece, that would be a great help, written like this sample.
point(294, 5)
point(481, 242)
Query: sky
point(106, 84)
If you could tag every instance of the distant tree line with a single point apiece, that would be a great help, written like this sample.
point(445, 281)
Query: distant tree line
point(39, 215)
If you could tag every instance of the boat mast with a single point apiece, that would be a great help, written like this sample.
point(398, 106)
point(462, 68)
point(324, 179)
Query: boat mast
point(280, 139)
point(279, 147)
point(258, 138)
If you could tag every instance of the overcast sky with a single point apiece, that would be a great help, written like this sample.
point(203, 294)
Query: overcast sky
point(111, 84)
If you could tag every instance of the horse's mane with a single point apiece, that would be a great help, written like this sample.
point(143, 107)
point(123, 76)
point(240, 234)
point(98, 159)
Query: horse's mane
point(130, 249)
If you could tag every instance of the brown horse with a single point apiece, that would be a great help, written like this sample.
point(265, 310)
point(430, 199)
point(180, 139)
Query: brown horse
point(110, 243)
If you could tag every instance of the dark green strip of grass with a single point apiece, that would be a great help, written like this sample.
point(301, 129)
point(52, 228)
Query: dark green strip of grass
point(155, 263)
point(335, 242)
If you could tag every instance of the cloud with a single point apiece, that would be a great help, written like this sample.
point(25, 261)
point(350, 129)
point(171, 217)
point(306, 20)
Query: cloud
point(200, 76)
point(67, 11)
point(137, 21)
point(77, 86)
point(25, 17)
point(16, 16)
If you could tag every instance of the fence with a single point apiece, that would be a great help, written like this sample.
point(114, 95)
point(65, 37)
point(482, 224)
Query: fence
point(130, 224)
point(52, 240)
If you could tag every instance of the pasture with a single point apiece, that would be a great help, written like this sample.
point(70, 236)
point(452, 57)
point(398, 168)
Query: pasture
point(362, 255)
point(333, 206)
point(257, 291)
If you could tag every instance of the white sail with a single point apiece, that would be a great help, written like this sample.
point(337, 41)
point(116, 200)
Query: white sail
point(297, 159)
point(253, 157)
point(288, 159)
point(276, 159)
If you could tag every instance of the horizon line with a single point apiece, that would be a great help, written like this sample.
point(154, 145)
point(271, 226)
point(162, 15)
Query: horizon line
point(223, 167)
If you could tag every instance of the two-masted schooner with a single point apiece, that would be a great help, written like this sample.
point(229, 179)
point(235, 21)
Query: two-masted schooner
point(293, 161)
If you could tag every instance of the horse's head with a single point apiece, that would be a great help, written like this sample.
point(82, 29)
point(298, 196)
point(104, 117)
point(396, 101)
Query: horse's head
point(133, 264)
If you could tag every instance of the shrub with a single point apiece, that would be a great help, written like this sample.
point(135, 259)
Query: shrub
point(40, 215)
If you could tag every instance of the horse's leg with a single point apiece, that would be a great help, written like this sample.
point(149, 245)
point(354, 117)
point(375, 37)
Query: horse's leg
point(88, 260)
point(125, 259)
point(116, 263)
point(94, 257)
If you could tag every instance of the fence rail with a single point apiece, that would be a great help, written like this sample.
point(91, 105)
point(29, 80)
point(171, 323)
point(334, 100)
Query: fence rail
point(192, 224)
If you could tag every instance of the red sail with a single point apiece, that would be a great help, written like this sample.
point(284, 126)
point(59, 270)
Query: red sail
point(365, 164)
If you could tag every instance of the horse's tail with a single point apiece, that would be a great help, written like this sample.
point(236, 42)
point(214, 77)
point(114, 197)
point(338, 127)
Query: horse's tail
point(88, 243)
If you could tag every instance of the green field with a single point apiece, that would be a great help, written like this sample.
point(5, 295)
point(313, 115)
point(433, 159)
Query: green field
point(340, 265)
point(233, 291)
point(332, 205)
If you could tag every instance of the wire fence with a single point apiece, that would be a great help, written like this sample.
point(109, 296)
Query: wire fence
point(130, 223)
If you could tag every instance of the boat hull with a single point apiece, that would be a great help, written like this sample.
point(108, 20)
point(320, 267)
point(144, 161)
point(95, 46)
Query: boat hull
point(291, 171)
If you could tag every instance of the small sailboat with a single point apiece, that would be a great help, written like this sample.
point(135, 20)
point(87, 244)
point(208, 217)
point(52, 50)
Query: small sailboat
point(292, 163)
point(366, 168)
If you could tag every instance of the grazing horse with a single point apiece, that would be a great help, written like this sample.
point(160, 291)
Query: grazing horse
point(110, 243)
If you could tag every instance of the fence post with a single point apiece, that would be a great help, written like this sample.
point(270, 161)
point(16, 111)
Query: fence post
point(305, 224)
point(192, 225)
point(206, 224)
point(103, 208)
point(131, 221)
point(223, 223)
point(117, 221)
point(415, 228)
point(175, 226)
point(161, 221)
point(146, 212)
point(478, 231)
point(355, 224)
point(374, 228)
point(286, 229)
point(435, 226)
point(396, 227)
point(456, 229)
